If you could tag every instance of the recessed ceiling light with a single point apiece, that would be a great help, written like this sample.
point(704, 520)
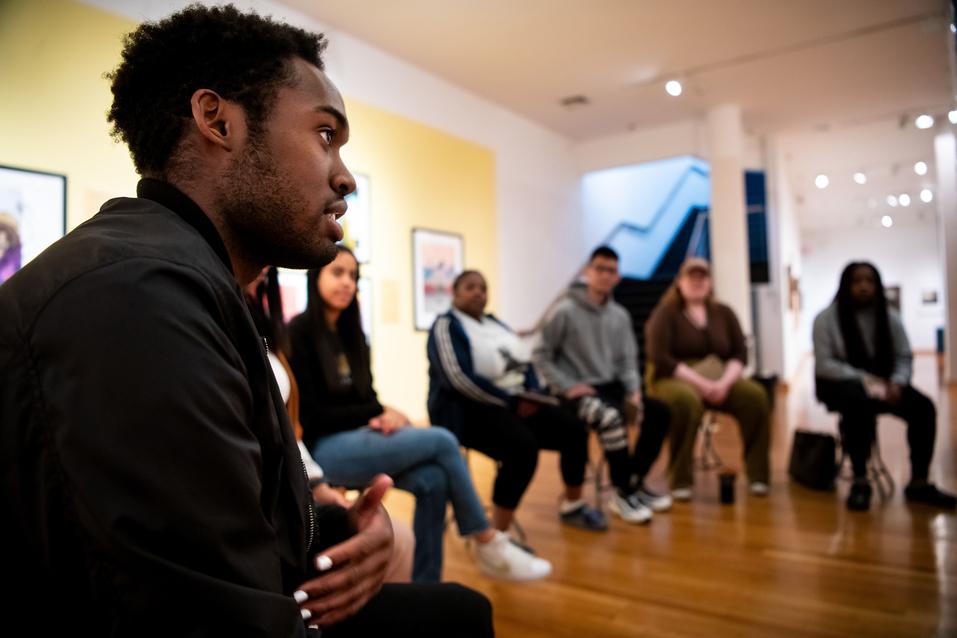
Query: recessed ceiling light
point(926, 195)
point(924, 121)
point(920, 168)
point(860, 178)
point(673, 88)
point(903, 199)
point(952, 116)
point(887, 221)
point(891, 201)
point(953, 29)
point(821, 181)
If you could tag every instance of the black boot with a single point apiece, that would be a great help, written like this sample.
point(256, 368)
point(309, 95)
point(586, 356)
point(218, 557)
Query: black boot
point(859, 500)
point(928, 494)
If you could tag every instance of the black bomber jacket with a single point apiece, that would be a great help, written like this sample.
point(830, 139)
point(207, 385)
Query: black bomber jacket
point(151, 482)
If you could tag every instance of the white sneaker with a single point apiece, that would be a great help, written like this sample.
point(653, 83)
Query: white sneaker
point(629, 508)
point(500, 558)
point(657, 502)
point(681, 494)
point(759, 489)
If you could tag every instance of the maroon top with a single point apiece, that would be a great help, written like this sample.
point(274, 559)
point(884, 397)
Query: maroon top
point(671, 338)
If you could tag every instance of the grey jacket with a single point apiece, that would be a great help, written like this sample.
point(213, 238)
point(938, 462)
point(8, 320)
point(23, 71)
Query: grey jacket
point(830, 354)
point(586, 343)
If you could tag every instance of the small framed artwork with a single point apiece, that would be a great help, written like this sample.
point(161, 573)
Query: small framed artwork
point(32, 215)
point(437, 258)
point(293, 286)
point(893, 295)
point(357, 222)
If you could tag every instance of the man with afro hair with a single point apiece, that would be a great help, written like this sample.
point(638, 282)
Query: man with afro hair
point(152, 483)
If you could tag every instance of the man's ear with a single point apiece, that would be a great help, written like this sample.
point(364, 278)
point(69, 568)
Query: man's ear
point(216, 119)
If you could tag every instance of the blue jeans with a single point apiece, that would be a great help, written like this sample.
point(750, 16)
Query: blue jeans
point(425, 462)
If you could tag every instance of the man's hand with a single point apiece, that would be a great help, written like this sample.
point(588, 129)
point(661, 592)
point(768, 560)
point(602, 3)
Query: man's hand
point(894, 393)
point(579, 390)
point(389, 421)
point(526, 408)
point(356, 567)
point(635, 398)
point(326, 495)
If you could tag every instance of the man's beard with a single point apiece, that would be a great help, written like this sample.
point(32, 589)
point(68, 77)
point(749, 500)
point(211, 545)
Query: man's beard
point(257, 204)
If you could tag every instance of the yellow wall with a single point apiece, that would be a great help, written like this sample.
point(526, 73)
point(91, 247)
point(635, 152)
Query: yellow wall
point(54, 99)
point(52, 117)
point(419, 177)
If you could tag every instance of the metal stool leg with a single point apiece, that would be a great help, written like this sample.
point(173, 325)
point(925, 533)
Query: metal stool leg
point(878, 473)
point(709, 458)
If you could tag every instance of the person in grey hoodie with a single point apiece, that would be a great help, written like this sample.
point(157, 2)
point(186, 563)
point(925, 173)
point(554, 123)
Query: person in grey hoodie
point(588, 355)
point(862, 366)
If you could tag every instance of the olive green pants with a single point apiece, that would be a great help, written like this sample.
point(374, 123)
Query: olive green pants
point(747, 402)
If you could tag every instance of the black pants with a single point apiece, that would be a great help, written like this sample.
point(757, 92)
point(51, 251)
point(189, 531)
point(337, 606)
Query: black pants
point(859, 422)
point(627, 471)
point(422, 611)
point(514, 442)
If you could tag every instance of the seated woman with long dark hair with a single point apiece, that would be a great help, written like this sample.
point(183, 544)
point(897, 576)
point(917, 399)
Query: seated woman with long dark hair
point(862, 367)
point(354, 437)
point(696, 356)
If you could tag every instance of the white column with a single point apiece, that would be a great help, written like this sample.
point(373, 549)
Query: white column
point(729, 233)
point(945, 155)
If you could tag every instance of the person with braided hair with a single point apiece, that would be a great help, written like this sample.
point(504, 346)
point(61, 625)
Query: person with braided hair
point(862, 366)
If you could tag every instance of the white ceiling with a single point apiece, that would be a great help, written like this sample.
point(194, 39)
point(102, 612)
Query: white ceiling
point(789, 63)
point(885, 151)
point(838, 81)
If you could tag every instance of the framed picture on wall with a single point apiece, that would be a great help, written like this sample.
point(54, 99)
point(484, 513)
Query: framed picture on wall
point(357, 222)
point(437, 258)
point(32, 215)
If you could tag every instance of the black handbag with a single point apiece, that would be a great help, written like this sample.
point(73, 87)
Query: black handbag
point(813, 460)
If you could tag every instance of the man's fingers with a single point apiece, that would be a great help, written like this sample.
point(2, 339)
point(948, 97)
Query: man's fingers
point(369, 502)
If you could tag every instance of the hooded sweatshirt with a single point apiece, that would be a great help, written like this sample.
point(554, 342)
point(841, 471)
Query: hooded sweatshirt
point(584, 342)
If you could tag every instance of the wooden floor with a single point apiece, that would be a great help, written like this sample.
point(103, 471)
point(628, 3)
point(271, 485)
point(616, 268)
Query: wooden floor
point(793, 564)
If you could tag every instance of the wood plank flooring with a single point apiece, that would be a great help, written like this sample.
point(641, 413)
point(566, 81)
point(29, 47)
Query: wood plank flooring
point(793, 564)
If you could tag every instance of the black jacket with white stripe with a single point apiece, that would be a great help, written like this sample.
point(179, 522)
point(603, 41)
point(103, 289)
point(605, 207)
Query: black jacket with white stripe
point(453, 382)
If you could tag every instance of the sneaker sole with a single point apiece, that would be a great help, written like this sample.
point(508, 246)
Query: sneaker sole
point(641, 519)
point(585, 526)
point(491, 573)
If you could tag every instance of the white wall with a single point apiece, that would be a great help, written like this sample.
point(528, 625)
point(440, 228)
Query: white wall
point(538, 201)
point(906, 255)
point(783, 345)
point(650, 144)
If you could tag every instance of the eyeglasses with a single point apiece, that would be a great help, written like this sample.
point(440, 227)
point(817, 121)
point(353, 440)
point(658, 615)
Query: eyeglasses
point(605, 270)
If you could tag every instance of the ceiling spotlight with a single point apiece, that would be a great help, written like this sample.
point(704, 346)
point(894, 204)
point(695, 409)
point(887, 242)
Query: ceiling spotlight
point(953, 29)
point(860, 178)
point(924, 121)
point(926, 196)
point(673, 88)
point(952, 116)
point(821, 181)
point(891, 201)
point(887, 221)
point(903, 199)
point(920, 168)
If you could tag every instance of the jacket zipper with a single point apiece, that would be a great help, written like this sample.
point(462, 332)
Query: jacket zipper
point(310, 513)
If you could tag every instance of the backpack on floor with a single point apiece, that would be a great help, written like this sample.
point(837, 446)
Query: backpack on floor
point(814, 459)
